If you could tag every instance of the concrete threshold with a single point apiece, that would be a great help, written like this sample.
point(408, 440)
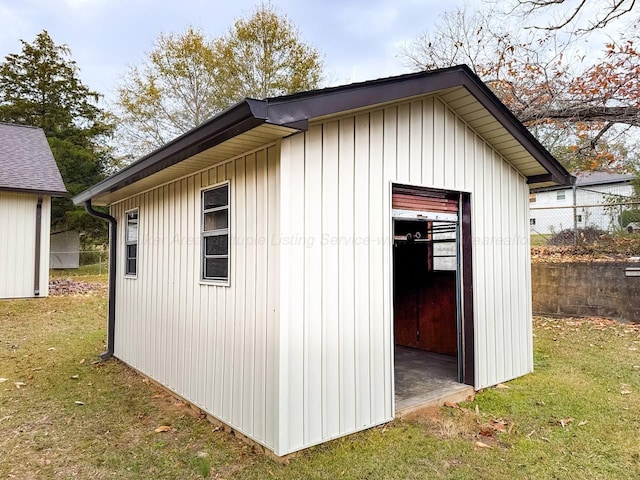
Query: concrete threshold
point(453, 394)
point(426, 379)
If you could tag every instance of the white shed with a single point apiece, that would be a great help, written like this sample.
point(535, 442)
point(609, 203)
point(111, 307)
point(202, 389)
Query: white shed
point(29, 178)
point(280, 264)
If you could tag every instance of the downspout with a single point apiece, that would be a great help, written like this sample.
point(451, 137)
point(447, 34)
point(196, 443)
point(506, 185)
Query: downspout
point(113, 242)
point(36, 271)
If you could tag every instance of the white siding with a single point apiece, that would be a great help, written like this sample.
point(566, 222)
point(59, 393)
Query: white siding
point(18, 240)
point(214, 345)
point(336, 293)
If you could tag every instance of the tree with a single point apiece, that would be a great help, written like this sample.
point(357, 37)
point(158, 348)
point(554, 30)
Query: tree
point(40, 87)
point(583, 112)
point(263, 56)
point(188, 78)
point(173, 91)
point(599, 14)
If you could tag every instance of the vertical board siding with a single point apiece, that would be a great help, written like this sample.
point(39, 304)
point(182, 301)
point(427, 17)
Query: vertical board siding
point(213, 345)
point(336, 293)
point(18, 240)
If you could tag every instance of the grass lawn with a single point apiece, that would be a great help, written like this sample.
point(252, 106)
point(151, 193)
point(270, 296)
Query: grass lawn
point(577, 416)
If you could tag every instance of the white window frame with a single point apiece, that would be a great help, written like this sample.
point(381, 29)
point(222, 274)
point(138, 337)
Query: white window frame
point(220, 281)
point(127, 243)
point(559, 193)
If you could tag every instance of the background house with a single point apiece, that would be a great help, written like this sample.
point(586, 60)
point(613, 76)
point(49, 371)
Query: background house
point(279, 265)
point(29, 178)
point(552, 208)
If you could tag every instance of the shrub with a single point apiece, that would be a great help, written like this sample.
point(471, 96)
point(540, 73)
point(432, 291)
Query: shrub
point(585, 236)
point(629, 216)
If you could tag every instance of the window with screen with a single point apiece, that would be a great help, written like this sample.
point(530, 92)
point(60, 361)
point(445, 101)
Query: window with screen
point(131, 244)
point(215, 234)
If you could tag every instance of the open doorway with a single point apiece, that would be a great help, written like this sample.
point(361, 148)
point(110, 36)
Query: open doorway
point(431, 244)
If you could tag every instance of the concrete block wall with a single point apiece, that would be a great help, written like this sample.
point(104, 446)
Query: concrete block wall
point(586, 289)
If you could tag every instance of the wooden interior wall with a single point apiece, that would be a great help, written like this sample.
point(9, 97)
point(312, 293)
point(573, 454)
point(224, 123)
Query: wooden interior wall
point(424, 302)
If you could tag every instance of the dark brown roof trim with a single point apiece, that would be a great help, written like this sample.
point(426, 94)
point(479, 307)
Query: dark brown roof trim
point(547, 177)
point(50, 193)
point(317, 103)
point(294, 111)
point(233, 121)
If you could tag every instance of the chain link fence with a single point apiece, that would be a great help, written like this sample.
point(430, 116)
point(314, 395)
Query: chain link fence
point(582, 215)
point(87, 262)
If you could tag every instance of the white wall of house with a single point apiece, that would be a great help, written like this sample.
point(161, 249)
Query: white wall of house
point(335, 289)
point(552, 211)
point(214, 345)
point(17, 244)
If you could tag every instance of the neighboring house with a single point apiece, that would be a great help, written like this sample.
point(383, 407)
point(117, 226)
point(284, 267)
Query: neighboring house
point(552, 207)
point(65, 250)
point(29, 178)
point(273, 264)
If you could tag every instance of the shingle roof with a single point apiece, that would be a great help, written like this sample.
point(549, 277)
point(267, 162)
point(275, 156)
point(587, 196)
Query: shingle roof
point(26, 161)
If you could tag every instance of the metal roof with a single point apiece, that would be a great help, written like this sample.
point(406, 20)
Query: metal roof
point(26, 162)
point(584, 179)
point(292, 113)
point(591, 179)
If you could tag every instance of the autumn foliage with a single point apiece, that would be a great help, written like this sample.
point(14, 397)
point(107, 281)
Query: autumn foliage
point(582, 104)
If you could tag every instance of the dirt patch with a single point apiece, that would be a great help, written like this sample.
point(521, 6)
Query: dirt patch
point(67, 286)
point(578, 254)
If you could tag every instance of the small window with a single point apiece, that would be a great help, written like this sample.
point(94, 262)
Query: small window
point(131, 244)
point(215, 234)
point(561, 195)
point(532, 198)
point(532, 221)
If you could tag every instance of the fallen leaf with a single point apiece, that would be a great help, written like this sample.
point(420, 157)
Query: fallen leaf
point(145, 380)
point(477, 410)
point(78, 402)
point(20, 384)
point(163, 428)
point(75, 377)
point(179, 404)
point(583, 422)
point(499, 425)
point(625, 391)
point(82, 361)
point(565, 421)
point(451, 404)
point(482, 445)
point(51, 349)
point(2, 380)
point(502, 386)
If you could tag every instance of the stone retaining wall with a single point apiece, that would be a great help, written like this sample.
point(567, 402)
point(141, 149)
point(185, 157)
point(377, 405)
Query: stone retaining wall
point(586, 289)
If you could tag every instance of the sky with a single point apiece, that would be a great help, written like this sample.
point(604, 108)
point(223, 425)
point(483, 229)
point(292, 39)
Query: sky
point(360, 39)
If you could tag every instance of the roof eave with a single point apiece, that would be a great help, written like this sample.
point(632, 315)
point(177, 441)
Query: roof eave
point(36, 191)
point(237, 119)
point(319, 103)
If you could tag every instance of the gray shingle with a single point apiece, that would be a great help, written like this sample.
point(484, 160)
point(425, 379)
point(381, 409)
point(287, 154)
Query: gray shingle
point(26, 161)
